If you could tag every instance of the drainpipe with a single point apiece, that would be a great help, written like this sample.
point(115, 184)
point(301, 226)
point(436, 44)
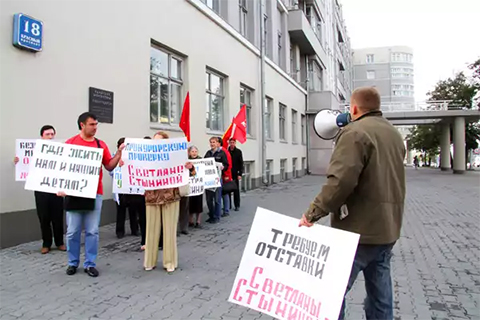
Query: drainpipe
point(262, 93)
point(307, 126)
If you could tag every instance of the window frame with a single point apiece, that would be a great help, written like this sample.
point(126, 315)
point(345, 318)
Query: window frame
point(269, 118)
point(282, 122)
point(171, 82)
point(294, 168)
point(246, 183)
point(294, 125)
point(249, 105)
point(370, 61)
point(209, 93)
point(303, 124)
point(283, 169)
point(243, 16)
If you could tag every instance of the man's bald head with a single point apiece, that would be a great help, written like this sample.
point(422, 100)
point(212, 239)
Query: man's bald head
point(364, 100)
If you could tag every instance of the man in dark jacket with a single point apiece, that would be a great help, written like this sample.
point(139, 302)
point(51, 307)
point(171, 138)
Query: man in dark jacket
point(214, 197)
point(237, 170)
point(365, 194)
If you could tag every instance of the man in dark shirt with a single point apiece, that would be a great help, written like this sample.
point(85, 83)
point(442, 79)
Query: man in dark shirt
point(237, 170)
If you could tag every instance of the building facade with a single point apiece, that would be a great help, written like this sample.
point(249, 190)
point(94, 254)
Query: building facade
point(209, 48)
point(391, 71)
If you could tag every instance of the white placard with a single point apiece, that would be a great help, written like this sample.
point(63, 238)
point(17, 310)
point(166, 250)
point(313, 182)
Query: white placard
point(57, 166)
point(197, 182)
point(24, 153)
point(212, 179)
point(119, 188)
point(289, 272)
point(155, 164)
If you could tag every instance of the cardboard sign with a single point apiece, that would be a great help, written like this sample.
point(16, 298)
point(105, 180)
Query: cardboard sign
point(119, 188)
point(289, 272)
point(24, 153)
point(72, 169)
point(155, 164)
point(197, 182)
point(212, 179)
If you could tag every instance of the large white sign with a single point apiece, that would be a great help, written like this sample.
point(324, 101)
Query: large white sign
point(289, 272)
point(212, 179)
point(64, 167)
point(197, 182)
point(24, 153)
point(155, 164)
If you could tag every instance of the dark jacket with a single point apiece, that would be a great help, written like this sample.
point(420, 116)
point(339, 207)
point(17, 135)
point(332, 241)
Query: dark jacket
point(367, 175)
point(219, 156)
point(237, 162)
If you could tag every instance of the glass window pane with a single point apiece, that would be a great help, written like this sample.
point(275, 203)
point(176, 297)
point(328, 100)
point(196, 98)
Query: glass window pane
point(176, 105)
point(242, 95)
point(207, 110)
point(217, 113)
point(207, 81)
point(158, 62)
point(176, 69)
point(154, 86)
point(247, 97)
point(249, 126)
point(164, 116)
point(216, 84)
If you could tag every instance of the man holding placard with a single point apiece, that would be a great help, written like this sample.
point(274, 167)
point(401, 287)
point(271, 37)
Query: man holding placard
point(49, 206)
point(365, 194)
point(90, 218)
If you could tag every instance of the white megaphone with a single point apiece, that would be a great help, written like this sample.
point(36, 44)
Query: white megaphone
point(327, 123)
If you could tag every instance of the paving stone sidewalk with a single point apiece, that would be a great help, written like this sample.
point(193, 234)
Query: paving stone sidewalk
point(436, 263)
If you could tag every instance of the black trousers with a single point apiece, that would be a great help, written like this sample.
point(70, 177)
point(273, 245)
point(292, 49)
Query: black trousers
point(236, 194)
point(136, 212)
point(184, 214)
point(50, 215)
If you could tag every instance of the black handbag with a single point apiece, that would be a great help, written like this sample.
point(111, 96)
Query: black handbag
point(229, 187)
point(72, 203)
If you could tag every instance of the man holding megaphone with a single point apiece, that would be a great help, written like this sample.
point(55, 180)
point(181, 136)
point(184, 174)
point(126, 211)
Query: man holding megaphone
point(364, 193)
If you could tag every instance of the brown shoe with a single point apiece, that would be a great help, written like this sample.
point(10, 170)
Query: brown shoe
point(62, 248)
point(45, 250)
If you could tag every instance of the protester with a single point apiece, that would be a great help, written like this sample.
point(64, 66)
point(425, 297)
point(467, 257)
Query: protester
point(90, 219)
point(237, 170)
point(49, 208)
point(365, 193)
point(227, 180)
point(163, 210)
point(214, 197)
point(196, 202)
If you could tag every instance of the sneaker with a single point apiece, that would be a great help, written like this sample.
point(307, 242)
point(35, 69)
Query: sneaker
point(226, 214)
point(91, 271)
point(236, 209)
point(71, 270)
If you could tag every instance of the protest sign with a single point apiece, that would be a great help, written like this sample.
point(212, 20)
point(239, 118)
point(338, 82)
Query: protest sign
point(24, 152)
point(212, 179)
point(289, 272)
point(197, 182)
point(155, 164)
point(64, 167)
point(119, 188)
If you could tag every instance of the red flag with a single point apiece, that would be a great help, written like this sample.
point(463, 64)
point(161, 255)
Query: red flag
point(237, 129)
point(185, 118)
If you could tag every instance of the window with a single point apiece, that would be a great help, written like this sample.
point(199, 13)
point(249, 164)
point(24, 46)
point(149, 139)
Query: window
point(243, 17)
point(214, 101)
point(403, 90)
point(246, 99)
point(370, 74)
point(401, 57)
point(402, 72)
point(370, 58)
point(269, 171)
point(166, 71)
point(280, 39)
point(247, 177)
point(283, 164)
point(315, 22)
point(280, 53)
point(315, 76)
point(294, 126)
point(304, 165)
point(294, 168)
point(268, 41)
point(213, 4)
point(304, 125)
point(269, 117)
point(281, 120)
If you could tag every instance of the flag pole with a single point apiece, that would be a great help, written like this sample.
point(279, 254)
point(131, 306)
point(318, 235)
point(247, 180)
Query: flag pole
point(262, 92)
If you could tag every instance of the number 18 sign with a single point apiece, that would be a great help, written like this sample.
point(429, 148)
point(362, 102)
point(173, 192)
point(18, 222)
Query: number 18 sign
point(27, 32)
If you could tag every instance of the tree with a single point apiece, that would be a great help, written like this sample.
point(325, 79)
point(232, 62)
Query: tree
point(475, 67)
point(459, 90)
point(425, 138)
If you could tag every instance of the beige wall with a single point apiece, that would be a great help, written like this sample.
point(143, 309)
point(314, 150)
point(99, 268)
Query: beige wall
point(108, 46)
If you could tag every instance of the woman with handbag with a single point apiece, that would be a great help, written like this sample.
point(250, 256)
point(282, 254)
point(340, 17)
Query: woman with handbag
point(162, 214)
point(196, 202)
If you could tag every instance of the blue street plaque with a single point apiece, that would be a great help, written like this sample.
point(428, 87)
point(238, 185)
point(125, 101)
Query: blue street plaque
point(27, 32)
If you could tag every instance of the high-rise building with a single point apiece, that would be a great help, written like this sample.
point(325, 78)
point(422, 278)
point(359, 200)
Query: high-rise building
point(391, 71)
point(149, 54)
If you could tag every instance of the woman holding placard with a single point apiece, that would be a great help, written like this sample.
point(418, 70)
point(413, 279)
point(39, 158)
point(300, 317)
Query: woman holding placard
point(162, 210)
point(196, 202)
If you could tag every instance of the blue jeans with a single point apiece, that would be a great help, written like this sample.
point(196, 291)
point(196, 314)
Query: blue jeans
point(214, 203)
point(226, 203)
point(91, 221)
point(374, 261)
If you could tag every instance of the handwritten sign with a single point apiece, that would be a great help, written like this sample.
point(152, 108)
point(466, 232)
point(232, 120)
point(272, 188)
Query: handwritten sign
point(197, 182)
point(24, 153)
point(289, 272)
point(64, 167)
point(119, 188)
point(155, 164)
point(212, 179)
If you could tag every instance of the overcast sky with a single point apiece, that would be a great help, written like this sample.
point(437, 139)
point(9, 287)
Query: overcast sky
point(444, 34)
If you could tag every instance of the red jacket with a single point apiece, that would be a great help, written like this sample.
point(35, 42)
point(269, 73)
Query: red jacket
point(227, 175)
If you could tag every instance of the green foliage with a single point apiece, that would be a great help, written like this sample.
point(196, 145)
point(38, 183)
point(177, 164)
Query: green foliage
point(458, 89)
point(425, 138)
